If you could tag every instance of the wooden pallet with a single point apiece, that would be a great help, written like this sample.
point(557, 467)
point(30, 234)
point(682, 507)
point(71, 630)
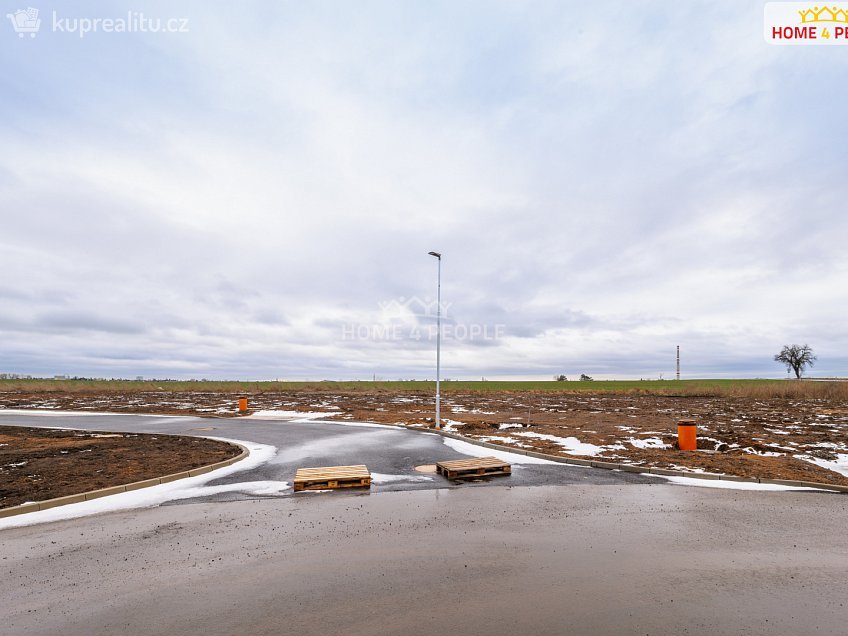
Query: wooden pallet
point(328, 477)
point(474, 467)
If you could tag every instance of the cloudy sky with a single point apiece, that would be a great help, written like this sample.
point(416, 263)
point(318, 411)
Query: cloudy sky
point(256, 198)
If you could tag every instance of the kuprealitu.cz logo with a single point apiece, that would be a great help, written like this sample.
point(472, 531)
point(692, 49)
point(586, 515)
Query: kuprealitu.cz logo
point(28, 22)
point(25, 22)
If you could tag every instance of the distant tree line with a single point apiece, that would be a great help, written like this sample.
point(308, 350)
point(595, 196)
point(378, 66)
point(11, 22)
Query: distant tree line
point(583, 378)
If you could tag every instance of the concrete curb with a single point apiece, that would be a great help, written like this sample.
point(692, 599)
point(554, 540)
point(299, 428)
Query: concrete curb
point(113, 490)
point(630, 468)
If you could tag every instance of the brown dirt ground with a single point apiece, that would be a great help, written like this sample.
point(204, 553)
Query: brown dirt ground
point(38, 464)
point(733, 431)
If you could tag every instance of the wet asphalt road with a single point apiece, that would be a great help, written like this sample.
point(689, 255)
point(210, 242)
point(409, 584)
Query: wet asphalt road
point(384, 450)
point(571, 557)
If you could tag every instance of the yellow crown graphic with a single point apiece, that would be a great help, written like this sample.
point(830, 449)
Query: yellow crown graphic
point(824, 14)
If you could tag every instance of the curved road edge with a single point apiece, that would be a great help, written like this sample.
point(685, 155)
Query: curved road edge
point(631, 468)
point(114, 490)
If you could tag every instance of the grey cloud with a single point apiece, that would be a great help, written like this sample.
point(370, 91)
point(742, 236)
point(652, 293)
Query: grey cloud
point(70, 321)
point(8, 293)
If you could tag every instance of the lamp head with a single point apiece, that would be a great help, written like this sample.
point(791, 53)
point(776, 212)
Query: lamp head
point(436, 254)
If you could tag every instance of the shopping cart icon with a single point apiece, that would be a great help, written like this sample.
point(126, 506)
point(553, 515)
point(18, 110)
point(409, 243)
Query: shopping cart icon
point(25, 21)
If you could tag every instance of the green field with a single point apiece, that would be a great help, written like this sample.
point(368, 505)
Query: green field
point(742, 388)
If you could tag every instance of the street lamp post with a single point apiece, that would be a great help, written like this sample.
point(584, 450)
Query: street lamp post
point(438, 336)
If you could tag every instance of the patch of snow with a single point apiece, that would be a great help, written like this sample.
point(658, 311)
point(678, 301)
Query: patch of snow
point(710, 439)
point(839, 465)
point(730, 485)
point(455, 408)
point(503, 427)
point(830, 445)
point(326, 405)
point(687, 469)
point(497, 439)
point(572, 445)
point(248, 487)
point(472, 450)
point(751, 451)
point(450, 425)
point(784, 448)
point(651, 442)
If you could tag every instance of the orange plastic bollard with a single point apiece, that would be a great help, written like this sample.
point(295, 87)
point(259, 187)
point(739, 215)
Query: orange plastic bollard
point(687, 435)
point(242, 404)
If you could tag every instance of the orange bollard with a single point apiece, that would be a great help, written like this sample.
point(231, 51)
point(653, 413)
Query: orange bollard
point(687, 435)
point(242, 405)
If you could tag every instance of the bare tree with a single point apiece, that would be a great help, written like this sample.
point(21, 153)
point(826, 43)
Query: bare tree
point(796, 357)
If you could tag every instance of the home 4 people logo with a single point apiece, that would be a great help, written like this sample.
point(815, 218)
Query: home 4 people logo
point(806, 23)
point(25, 21)
point(414, 306)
